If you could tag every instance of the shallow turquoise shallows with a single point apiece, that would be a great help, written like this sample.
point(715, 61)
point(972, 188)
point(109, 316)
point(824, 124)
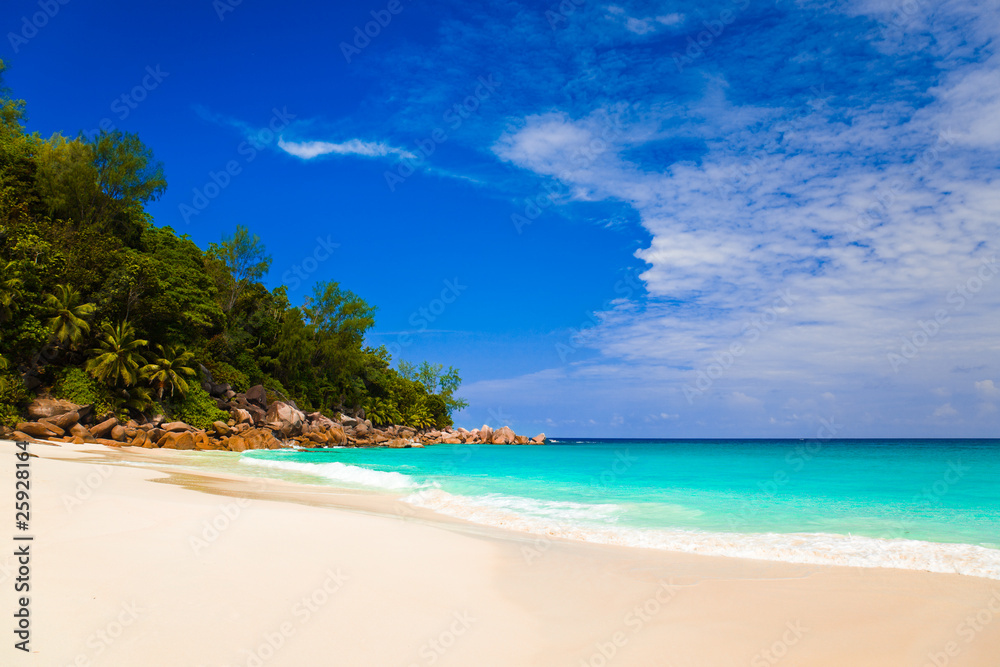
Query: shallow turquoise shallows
point(923, 504)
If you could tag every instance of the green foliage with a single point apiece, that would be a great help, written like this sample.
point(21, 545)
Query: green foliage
point(68, 321)
point(223, 373)
point(418, 415)
point(13, 397)
point(168, 369)
point(10, 290)
point(198, 409)
point(117, 355)
point(131, 400)
point(75, 385)
point(382, 411)
point(78, 250)
point(238, 260)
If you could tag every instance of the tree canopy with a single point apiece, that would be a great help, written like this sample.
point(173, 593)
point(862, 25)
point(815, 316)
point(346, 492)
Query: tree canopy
point(92, 291)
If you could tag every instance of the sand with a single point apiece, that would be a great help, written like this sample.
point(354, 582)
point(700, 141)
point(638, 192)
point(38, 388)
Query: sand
point(131, 565)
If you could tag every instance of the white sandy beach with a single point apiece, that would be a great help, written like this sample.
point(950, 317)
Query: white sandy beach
point(127, 569)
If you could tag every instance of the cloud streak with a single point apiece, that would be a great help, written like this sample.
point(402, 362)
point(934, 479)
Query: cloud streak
point(309, 150)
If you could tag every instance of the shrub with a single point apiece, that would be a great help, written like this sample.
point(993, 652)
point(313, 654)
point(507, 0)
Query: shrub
point(198, 409)
point(76, 386)
point(223, 373)
point(13, 396)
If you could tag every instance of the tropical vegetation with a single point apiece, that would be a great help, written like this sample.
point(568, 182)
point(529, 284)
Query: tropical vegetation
point(99, 305)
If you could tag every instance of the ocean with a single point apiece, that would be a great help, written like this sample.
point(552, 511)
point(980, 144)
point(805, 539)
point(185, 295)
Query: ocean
point(917, 504)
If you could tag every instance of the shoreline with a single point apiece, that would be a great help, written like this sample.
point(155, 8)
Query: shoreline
point(436, 506)
point(412, 574)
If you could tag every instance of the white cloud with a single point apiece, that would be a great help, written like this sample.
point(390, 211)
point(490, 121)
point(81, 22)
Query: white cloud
point(739, 398)
point(987, 388)
point(945, 411)
point(789, 200)
point(308, 150)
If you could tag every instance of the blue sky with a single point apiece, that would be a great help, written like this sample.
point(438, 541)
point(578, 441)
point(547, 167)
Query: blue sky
point(633, 219)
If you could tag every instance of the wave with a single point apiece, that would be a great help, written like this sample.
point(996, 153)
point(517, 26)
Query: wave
point(341, 472)
point(576, 521)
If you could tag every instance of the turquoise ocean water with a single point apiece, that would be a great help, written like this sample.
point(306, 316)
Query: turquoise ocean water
point(920, 504)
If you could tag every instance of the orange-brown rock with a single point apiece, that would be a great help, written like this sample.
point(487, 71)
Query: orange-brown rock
point(176, 427)
point(175, 440)
point(335, 435)
point(503, 436)
point(118, 433)
point(39, 429)
point(65, 421)
point(203, 441)
point(50, 407)
point(104, 428)
point(260, 438)
point(81, 431)
point(284, 418)
point(235, 443)
point(319, 437)
point(141, 439)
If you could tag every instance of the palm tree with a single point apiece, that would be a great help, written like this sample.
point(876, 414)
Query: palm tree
point(169, 369)
point(67, 322)
point(10, 291)
point(117, 356)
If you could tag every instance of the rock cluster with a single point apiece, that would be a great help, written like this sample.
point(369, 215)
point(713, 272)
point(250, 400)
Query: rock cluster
point(254, 423)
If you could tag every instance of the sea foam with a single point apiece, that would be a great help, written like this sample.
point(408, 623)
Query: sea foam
point(340, 472)
point(579, 521)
